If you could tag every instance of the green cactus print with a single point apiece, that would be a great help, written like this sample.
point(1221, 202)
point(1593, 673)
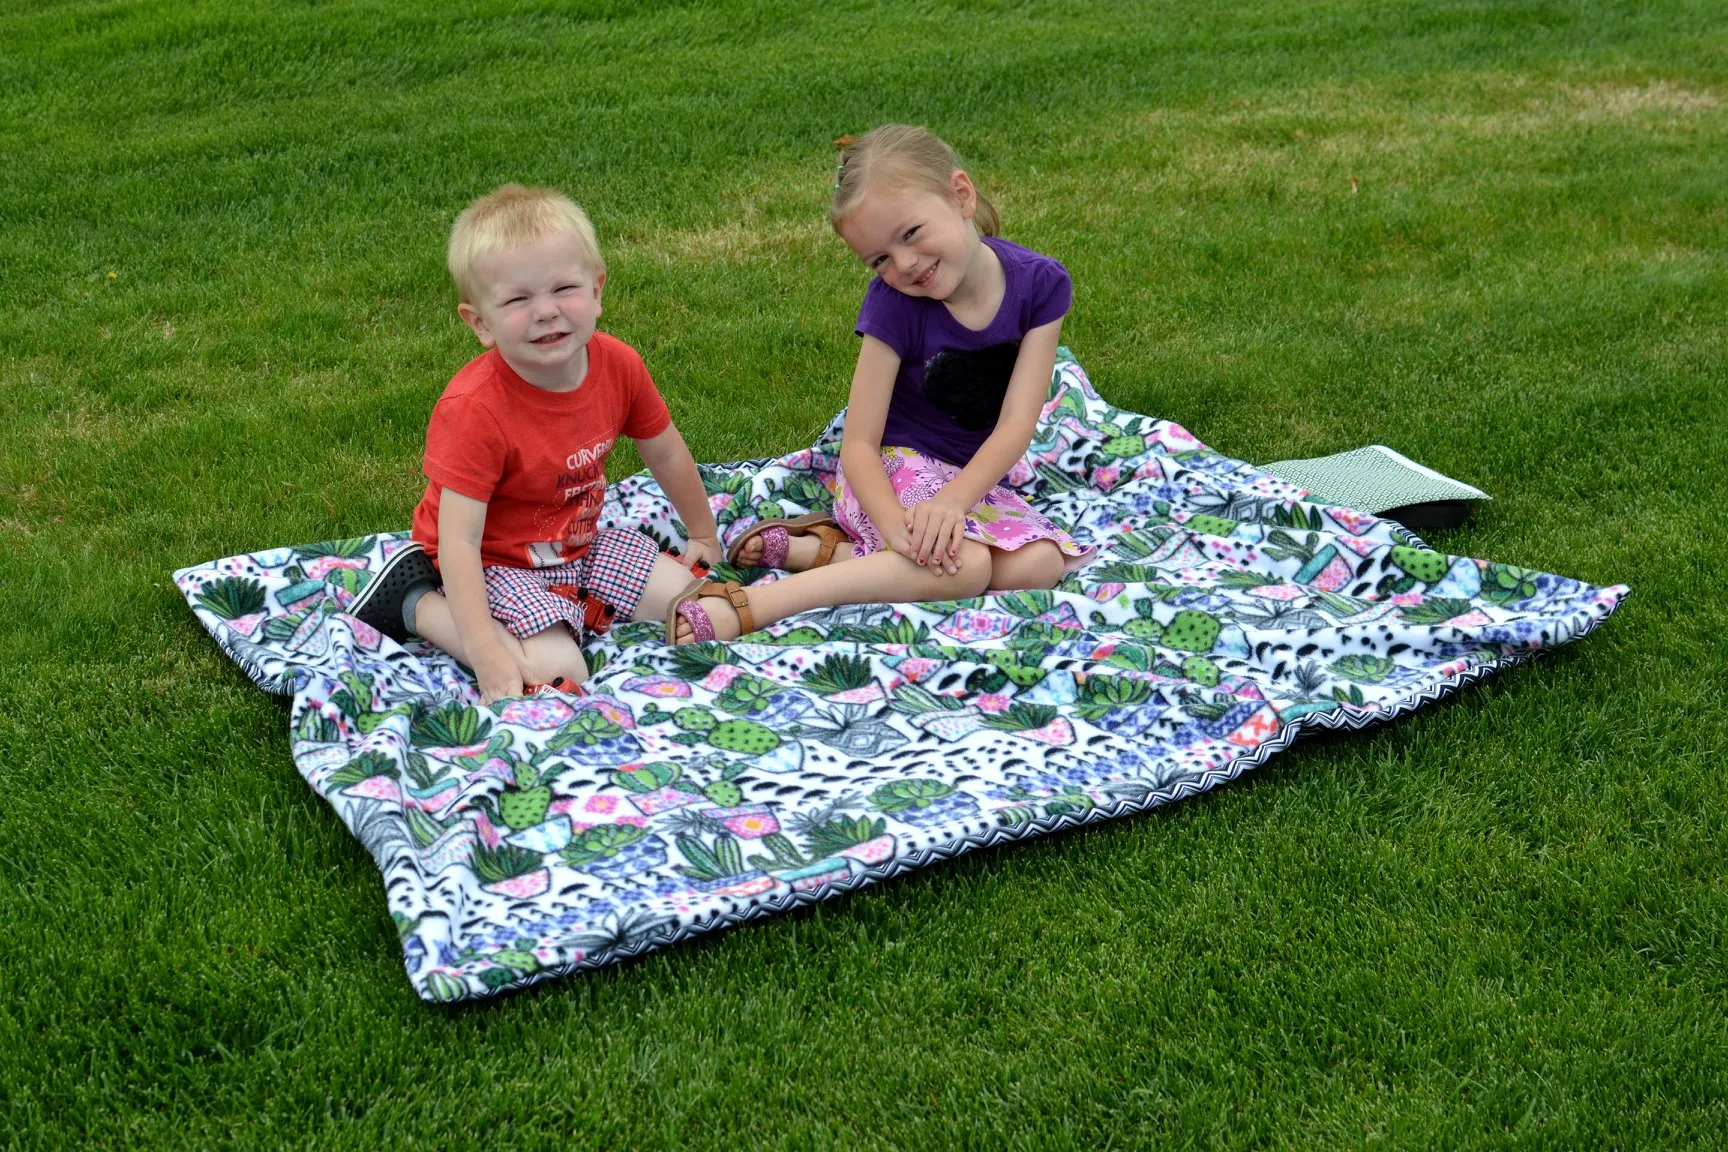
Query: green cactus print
point(1144, 628)
point(1201, 670)
point(724, 793)
point(1507, 583)
point(1211, 525)
point(746, 694)
point(743, 736)
point(1422, 564)
point(1192, 631)
point(1363, 669)
point(601, 843)
point(695, 719)
point(1119, 447)
point(525, 808)
point(905, 794)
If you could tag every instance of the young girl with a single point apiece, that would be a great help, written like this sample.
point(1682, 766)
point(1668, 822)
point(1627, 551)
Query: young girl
point(959, 335)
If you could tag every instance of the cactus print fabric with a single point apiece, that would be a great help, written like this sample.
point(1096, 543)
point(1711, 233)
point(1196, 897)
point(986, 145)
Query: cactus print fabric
point(695, 788)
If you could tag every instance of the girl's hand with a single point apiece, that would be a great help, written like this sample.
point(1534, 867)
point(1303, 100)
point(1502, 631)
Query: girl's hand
point(935, 528)
point(898, 540)
point(705, 549)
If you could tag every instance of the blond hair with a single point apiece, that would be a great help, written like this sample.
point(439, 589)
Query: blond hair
point(905, 156)
point(514, 216)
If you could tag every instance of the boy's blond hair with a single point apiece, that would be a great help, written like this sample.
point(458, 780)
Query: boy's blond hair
point(514, 216)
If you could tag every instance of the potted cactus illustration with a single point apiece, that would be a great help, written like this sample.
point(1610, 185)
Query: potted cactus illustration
point(718, 866)
point(745, 695)
point(852, 729)
point(366, 766)
point(1029, 604)
point(449, 725)
point(696, 661)
point(845, 679)
point(334, 555)
point(1363, 668)
point(865, 839)
point(510, 870)
point(525, 803)
point(1507, 583)
point(923, 803)
point(761, 700)
point(1220, 715)
point(1038, 722)
point(615, 852)
point(1116, 703)
point(593, 738)
point(653, 788)
point(231, 597)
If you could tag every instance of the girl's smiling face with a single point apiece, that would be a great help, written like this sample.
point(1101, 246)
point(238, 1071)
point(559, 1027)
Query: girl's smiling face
point(920, 242)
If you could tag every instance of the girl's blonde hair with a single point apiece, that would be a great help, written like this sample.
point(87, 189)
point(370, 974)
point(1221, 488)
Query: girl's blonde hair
point(515, 216)
point(908, 156)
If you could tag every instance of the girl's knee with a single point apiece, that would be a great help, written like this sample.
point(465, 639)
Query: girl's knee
point(976, 564)
point(1035, 565)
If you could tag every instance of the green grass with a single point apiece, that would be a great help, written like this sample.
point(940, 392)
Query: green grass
point(1491, 235)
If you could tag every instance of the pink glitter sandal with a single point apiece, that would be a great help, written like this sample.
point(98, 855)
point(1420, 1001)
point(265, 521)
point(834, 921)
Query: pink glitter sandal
point(776, 539)
point(687, 604)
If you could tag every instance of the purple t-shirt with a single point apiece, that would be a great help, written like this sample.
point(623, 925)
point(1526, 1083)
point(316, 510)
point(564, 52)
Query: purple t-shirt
point(948, 392)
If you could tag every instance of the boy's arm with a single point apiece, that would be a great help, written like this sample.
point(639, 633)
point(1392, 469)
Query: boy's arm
point(669, 461)
point(461, 524)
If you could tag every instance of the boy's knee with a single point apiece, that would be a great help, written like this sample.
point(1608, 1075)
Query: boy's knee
point(548, 661)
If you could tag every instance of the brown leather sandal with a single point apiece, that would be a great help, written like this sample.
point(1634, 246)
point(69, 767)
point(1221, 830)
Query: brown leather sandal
point(687, 604)
point(776, 539)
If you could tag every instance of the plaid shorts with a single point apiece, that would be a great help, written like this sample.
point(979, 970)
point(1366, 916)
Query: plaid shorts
point(614, 572)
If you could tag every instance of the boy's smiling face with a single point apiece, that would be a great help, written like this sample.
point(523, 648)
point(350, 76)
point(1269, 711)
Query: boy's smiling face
point(538, 304)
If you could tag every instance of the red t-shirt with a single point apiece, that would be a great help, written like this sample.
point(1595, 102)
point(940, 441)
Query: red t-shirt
point(537, 459)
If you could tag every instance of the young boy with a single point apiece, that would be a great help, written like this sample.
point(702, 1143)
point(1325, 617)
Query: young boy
point(516, 463)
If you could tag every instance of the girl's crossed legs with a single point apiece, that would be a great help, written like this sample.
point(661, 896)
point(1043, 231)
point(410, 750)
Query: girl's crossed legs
point(884, 578)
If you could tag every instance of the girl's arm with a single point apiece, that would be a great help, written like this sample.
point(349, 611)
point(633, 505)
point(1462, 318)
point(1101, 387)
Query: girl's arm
point(861, 445)
point(461, 524)
point(939, 523)
point(669, 461)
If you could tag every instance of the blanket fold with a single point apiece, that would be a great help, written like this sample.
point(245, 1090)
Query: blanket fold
point(694, 788)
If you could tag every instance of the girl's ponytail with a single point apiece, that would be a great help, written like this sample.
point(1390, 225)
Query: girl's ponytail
point(986, 219)
point(904, 152)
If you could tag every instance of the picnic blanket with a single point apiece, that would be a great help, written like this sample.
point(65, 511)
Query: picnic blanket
point(694, 788)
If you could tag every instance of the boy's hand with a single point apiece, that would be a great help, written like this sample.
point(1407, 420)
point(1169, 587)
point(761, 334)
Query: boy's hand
point(497, 672)
point(934, 528)
point(704, 549)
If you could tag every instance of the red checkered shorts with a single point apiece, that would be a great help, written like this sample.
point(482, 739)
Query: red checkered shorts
point(612, 575)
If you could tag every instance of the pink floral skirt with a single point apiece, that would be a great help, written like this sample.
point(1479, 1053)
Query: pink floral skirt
point(1002, 519)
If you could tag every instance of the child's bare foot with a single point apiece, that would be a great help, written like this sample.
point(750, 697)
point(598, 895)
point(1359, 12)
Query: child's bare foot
point(709, 611)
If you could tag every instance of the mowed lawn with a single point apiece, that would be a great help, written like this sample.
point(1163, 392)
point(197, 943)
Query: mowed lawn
point(1490, 234)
